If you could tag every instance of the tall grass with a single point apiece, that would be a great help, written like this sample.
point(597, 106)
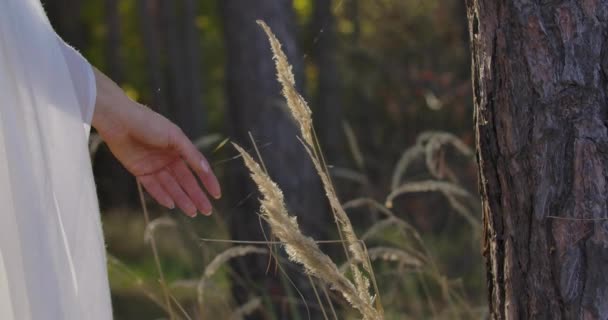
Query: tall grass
point(354, 278)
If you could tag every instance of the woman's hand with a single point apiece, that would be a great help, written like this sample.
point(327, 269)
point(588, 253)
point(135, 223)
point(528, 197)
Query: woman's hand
point(154, 150)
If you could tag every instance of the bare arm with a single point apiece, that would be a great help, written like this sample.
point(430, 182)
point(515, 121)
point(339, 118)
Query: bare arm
point(153, 149)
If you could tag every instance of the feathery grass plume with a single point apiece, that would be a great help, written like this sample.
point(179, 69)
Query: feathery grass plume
point(404, 258)
point(434, 142)
point(351, 138)
point(302, 114)
point(296, 103)
point(447, 189)
point(425, 186)
point(354, 246)
point(219, 260)
point(427, 145)
point(442, 138)
point(302, 249)
point(155, 224)
point(392, 220)
point(408, 156)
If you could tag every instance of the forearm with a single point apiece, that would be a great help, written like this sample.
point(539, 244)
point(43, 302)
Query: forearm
point(111, 105)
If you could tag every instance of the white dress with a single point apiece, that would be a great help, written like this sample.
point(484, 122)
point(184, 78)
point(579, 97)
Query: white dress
point(52, 254)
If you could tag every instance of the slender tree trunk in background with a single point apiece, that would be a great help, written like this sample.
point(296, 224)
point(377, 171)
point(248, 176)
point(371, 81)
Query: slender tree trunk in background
point(192, 115)
point(255, 105)
point(175, 63)
point(148, 16)
point(183, 61)
point(116, 186)
point(540, 81)
point(114, 67)
point(329, 95)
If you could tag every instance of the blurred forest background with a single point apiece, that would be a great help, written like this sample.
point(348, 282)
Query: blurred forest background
point(388, 82)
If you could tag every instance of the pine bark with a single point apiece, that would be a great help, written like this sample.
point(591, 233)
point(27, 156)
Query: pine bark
point(540, 79)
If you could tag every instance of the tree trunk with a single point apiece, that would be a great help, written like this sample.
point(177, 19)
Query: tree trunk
point(113, 56)
point(116, 186)
point(183, 62)
point(149, 16)
point(192, 115)
point(329, 99)
point(255, 104)
point(539, 79)
point(175, 63)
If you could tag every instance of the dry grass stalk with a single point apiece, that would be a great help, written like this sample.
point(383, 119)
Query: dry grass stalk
point(354, 246)
point(405, 259)
point(218, 261)
point(428, 144)
point(351, 138)
point(302, 114)
point(449, 190)
point(360, 202)
point(438, 138)
point(155, 224)
point(426, 186)
point(302, 249)
point(161, 275)
point(409, 155)
point(296, 103)
point(246, 309)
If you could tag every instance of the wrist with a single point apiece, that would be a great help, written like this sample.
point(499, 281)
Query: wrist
point(111, 108)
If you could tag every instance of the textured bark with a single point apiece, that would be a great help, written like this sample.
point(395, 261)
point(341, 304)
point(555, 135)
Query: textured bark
point(255, 104)
point(148, 16)
point(539, 78)
point(183, 63)
point(329, 100)
point(192, 115)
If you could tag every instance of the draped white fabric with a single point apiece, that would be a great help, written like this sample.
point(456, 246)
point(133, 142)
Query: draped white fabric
point(52, 255)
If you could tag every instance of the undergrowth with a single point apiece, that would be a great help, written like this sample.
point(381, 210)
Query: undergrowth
point(388, 270)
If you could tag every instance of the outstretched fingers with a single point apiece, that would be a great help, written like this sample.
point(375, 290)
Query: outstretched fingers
point(188, 183)
point(155, 189)
point(178, 195)
point(196, 161)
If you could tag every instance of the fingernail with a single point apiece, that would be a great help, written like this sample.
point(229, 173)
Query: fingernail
point(205, 166)
point(171, 205)
point(208, 213)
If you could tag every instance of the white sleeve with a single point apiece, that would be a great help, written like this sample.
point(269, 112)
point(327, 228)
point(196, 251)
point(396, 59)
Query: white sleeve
point(83, 79)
